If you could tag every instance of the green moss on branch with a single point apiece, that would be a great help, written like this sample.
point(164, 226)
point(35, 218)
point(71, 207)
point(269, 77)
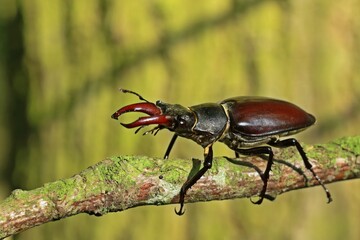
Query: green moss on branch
point(118, 183)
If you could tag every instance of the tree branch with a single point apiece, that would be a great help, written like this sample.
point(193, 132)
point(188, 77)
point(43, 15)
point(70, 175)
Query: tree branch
point(118, 183)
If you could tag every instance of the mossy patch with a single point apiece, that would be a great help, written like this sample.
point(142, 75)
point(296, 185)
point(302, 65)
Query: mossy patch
point(351, 144)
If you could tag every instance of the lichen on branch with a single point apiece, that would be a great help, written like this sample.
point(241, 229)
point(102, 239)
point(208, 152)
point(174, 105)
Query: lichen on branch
point(118, 183)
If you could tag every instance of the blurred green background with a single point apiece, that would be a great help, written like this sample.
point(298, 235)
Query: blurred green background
point(62, 62)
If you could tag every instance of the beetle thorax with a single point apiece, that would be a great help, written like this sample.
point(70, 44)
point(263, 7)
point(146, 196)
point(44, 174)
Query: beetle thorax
point(211, 121)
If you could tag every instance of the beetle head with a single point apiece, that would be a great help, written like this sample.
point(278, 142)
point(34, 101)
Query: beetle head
point(174, 117)
point(181, 119)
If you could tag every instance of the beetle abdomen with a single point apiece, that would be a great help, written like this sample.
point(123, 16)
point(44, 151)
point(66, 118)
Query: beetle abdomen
point(257, 116)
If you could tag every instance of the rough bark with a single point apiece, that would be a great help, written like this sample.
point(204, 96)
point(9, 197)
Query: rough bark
point(118, 183)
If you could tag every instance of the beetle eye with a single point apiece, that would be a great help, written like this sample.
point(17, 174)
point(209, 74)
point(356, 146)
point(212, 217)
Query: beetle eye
point(181, 121)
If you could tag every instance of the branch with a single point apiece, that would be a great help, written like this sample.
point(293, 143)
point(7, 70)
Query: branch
point(118, 183)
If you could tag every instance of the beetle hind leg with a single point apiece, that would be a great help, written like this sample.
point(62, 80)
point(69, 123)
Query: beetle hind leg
point(293, 142)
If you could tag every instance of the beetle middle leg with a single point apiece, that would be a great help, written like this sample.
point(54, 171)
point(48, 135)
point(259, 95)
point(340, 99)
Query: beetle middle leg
point(208, 154)
point(264, 176)
point(293, 142)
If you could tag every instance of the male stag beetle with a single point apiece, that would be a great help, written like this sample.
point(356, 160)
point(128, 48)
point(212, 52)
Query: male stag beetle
point(244, 124)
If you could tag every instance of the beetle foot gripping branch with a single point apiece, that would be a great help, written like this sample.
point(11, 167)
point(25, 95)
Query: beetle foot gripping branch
point(242, 123)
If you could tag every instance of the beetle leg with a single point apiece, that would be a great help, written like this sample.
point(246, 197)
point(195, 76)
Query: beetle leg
point(293, 142)
point(264, 176)
point(208, 154)
point(171, 144)
point(239, 162)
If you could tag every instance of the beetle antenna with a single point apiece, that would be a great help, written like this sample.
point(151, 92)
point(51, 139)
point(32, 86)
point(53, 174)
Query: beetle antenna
point(137, 130)
point(132, 92)
point(157, 130)
point(153, 131)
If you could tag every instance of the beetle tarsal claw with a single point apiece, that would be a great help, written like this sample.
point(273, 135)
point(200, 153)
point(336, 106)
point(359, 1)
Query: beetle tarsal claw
point(261, 198)
point(181, 211)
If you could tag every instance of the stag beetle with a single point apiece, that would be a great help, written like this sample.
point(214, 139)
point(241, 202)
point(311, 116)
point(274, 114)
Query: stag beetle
point(244, 124)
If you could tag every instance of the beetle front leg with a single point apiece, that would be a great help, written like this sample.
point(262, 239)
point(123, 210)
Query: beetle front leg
point(171, 144)
point(208, 157)
point(265, 176)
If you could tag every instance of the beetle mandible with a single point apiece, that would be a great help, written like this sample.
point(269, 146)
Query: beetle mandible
point(245, 124)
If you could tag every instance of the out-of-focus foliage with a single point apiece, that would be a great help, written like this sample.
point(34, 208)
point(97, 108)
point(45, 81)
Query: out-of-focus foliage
point(61, 63)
